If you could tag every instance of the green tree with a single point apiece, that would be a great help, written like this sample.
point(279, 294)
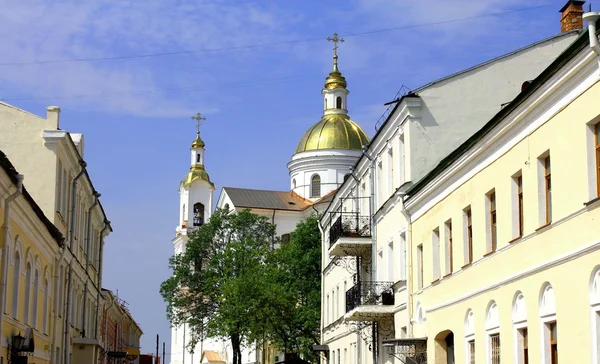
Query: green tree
point(217, 282)
point(293, 292)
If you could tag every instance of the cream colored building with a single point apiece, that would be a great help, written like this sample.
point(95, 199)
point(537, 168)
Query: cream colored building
point(505, 230)
point(29, 243)
point(52, 162)
point(367, 308)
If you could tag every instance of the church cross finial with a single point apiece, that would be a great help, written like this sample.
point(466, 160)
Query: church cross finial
point(199, 118)
point(335, 39)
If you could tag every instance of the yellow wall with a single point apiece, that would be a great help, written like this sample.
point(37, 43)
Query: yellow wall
point(574, 227)
point(33, 240)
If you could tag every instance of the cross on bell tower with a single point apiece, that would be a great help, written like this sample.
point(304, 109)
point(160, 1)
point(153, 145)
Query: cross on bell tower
point(335, 39)
point(199, 118)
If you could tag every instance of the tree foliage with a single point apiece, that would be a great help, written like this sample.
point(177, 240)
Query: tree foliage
point(230, 283)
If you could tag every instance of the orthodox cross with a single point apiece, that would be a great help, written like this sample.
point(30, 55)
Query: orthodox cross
point(198, 117)
point(335, 39)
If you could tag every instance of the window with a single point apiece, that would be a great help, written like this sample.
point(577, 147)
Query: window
point(61, 294)
point(493, 238)
point(59, 186)
point(524, 346)
point(390, 172)
point(294, 183)
point(495, 348)
point(327, 310)
point(198, 158)
point(401, 164)
point(16, 280)
point(468, 235)
point(420, 266)
point(315, 186)
point(390, 261)
point(36, 289)
point(435, 244)
point(548, 189)
point(46, 297)
point(597, 147)
point(449, 253)
point(402, 257)
point(471, 353)
point(198, 214)
point(517, 202)
point(27, 307)
point(552, 330)
point(338, 102)
point(285, 238)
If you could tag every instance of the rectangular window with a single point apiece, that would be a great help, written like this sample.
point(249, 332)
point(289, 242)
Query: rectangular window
point(517, 202)
point(495, 348)
point(524, 346)
point(449, 248)
point(553, 342)
point(59, 186)
point(390, 172)
point(435, 244)
point(468, 234)
point(327, 310)
point(420, 266)
point(390, 262)
point(401, 257)
point(401, 162)
point(471, 353)
point(597, 155)
point(493, 237)
point(548, 189)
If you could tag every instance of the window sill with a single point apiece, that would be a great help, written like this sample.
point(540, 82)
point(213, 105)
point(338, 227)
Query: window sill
point(466, 265)
point(591, 202)
point(544, 226)
point(489, 253)
point(515, 239)
point(435, 281)
point(447, 275)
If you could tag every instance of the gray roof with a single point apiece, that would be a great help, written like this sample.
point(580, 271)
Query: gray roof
point(264, 199)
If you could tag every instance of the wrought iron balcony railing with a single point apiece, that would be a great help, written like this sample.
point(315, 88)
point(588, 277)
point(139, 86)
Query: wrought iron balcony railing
point(369, 293)
point(349, 224)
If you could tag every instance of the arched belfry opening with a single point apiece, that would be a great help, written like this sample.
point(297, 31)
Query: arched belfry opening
point(338, 102)
point(198, 214)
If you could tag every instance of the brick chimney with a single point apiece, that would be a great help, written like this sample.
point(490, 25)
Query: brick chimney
point(570, 18)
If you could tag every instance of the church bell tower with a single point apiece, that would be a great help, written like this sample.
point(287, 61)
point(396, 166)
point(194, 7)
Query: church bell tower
point(195, 204)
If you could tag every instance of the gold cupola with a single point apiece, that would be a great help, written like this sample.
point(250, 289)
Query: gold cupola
point(335, 130)
point(197, 171)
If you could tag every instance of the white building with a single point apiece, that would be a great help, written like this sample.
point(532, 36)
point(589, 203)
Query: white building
point(364, 281)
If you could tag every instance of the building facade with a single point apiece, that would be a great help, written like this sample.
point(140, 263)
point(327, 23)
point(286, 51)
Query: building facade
point(30, 243)
point(52, 162)
point(119, 332)
point(505, 244)
point(367, 288)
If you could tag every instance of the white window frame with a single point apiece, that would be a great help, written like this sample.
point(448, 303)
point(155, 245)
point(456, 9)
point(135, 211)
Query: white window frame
point(449, 250)
point(469, 334)
point(595, 314)
point(492, 327)
point(435, 253)
point(402, 255)
point(519, 320)
point(547, 312)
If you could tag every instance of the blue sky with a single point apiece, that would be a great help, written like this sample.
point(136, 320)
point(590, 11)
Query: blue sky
point(135, 113)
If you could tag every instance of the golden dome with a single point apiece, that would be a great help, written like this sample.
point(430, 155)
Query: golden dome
point(335, 78)
point(197, 172)
point(334, 131)
point(198, 143)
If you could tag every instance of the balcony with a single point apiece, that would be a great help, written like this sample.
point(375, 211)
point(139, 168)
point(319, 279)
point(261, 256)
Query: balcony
point(369, 301)
point(349, 234)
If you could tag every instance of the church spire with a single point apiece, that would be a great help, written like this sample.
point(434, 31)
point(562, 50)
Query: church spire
point(198, 142)
point(197, 171)
point(335, 92)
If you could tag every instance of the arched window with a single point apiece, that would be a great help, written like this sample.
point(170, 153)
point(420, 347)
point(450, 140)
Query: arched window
point(315, 186)
point(338, 102)
point(16, 275)
point(46, 298)
point(36, 289)
point(325, 106)
point(519, 318)
point(198, 214)
point(549, 328)
point(198, 158)
point(492, 330)
point(470, 336)
point(27, 307)
point(294, 184)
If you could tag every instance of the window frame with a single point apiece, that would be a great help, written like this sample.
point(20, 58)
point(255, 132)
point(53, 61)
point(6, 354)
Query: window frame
point(468, 234)
point(493, 223)
point(520, 217)
point(315, 186)
point(596, 130)
point(547, 165)
point(449, 248)
point(420, 262)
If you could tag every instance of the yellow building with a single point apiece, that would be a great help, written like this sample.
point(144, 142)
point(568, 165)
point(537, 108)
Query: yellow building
point(505, 231)
point(29, 243)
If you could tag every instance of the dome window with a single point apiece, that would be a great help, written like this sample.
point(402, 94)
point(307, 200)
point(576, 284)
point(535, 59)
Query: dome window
point(294, 184)
point(338, 102)
point(197, 158)
point(315, 186)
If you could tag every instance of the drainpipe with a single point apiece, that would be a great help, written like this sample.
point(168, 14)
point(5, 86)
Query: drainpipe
point(101, 249)
point(70, 280)
point(5, 228)
point(372, 214)
point(408, 262)
point(87, 262)
point(592, 18)
point(323, 248)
